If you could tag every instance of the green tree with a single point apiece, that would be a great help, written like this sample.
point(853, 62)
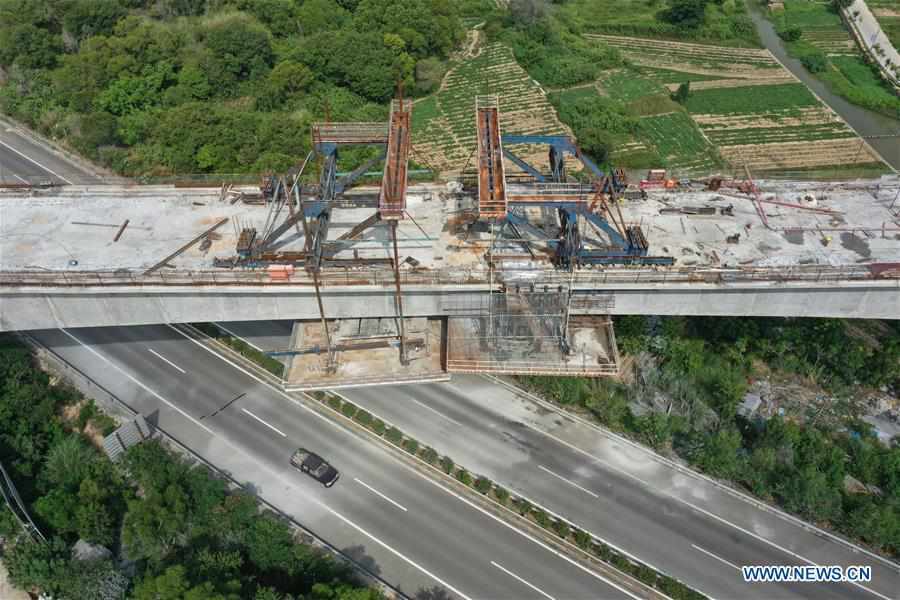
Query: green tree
point(241, 49)
point(686, 13)
point(683, 93)
point(85, 18)
point(29, 46)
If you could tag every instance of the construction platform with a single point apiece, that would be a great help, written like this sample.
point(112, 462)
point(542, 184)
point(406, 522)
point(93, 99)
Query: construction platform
point(66, 233)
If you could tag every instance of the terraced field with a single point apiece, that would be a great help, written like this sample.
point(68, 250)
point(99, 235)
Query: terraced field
point(748, 108)
point(444, 123)
point(698, 59)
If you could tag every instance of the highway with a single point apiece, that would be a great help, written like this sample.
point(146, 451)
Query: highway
point(682, 525)
point(413, 532)
point(24, 159)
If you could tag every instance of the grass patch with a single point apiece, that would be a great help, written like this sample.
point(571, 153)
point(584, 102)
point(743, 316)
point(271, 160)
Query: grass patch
point(679, 142)
point(752, 99)
point(243, 348)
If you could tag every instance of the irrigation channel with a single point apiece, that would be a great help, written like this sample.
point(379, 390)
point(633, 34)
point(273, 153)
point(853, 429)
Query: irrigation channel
point(864, 121)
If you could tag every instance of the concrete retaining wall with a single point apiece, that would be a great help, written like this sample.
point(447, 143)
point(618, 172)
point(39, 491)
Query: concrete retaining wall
point(44, 308)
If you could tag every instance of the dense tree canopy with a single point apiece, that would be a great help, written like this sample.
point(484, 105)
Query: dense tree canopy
point(242, 78)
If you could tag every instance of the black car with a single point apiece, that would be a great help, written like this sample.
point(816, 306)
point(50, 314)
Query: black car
point(315, 466)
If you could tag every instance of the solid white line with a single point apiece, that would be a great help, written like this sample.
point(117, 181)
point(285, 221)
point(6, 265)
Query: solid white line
point(233, 334)
point(163, 358)
point(278, 431)
point(144, 387)
point(572, 483)
point(718, 558)
point(438, 413)
point(490, 515)
point(516, 577)
point(36, 162)
point(374, 491)
point(19, 178)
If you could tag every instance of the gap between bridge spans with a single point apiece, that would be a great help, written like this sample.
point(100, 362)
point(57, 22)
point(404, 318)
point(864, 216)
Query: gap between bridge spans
point(569, 549)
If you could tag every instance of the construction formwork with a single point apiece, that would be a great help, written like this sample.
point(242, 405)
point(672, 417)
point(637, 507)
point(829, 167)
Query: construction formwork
point(491, 178)
point(392, 197)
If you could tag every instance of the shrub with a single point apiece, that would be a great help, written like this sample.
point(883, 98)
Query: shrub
point(87, 412)
point(542, 518)
point(394, 435)
point(501, 494)
point(562, 529)
point(464, 477)
point(349, 410)
point(523, 506)
point(583, 539)
point(411, 446)
point(483, 485)
point(791, 34)
point(683, 93)
point(105, 423)
point(447, 464)
point(603, 551)
point(645, 574)
point(378, 426)
point(334, 402)
point(815, 63)
point(429, 455)
point(363, 417)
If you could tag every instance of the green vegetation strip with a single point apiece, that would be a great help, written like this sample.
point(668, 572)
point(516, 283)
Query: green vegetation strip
point(180, 530)
point(562, 528)
point(243, 348)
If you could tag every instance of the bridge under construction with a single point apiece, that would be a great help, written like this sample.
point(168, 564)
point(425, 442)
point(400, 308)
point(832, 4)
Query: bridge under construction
point(512, 267)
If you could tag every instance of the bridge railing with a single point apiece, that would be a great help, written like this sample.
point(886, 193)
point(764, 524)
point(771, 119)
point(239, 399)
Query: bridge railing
point(523, 278)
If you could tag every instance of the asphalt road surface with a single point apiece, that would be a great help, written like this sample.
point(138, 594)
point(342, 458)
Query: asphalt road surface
point(413, 532)
point(682, 525)
point(23, 159)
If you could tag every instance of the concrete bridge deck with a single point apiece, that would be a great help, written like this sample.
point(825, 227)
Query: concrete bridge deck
point(59, 265)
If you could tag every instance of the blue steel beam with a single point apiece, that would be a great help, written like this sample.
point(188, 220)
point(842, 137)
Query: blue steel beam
point(523, 165)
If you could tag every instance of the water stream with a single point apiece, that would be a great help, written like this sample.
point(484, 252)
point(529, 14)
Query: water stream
point(864, 121)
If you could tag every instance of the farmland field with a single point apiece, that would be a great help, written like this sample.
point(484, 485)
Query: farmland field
point(744, 108)
point(888, 14)
point(444, 123)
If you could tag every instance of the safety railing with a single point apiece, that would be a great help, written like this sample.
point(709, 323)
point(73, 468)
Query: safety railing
point(523, 279)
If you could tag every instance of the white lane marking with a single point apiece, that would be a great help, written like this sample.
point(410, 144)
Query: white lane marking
point(699, 509)
point(393, 551)
point(19, 178)
point(163, 358)
point(718, 558)
point(28, 158)
point(144, 387)
point(243, 339)
point(334, 424)
point(275, 429)
point(572, 483)
point(374, 491)
point(438, 413)
point(516, 577)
